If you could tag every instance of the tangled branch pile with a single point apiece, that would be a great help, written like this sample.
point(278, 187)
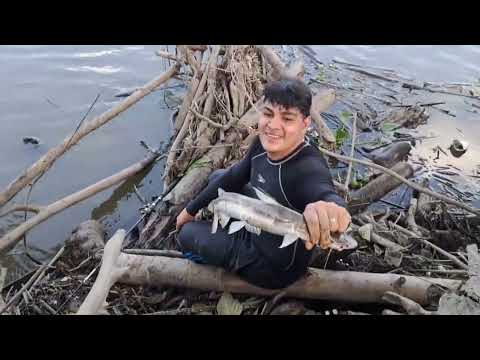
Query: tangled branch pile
point(215, 123)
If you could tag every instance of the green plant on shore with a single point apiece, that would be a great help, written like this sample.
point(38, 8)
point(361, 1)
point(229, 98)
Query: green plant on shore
point(358, 181)
point(197, 164)
point(340, 136)
point(342, 133)
point(321, 75)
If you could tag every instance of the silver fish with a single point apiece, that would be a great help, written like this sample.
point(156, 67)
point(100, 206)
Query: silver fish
point(268, 215)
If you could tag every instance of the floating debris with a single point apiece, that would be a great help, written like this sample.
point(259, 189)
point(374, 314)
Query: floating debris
point(31, 140)
point(458, 147)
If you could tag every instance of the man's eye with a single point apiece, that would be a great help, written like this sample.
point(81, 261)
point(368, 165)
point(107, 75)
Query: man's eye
point(267, 114)
point(288, 119)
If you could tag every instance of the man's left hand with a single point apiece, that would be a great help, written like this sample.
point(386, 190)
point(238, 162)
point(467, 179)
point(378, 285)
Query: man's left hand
point(323, 218)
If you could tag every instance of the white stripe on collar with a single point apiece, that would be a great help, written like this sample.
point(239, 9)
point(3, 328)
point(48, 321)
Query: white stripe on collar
point(307, 143)
point(259, 155)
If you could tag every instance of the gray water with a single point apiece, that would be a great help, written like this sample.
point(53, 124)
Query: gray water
point(435, 64)
point(46, 90)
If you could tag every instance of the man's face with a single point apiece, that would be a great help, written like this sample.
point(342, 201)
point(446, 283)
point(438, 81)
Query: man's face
point(281, 130)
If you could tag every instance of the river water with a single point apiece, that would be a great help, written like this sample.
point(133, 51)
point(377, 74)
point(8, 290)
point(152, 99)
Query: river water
point(46, 90)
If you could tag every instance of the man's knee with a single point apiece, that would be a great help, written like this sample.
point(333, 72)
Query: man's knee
point(185, 237)
point(216, 174)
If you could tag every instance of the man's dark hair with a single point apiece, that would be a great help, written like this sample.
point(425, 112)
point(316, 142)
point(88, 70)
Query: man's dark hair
point(289, 93)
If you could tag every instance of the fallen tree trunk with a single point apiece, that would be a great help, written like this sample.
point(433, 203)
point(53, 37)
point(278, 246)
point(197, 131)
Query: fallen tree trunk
point(279, 70)
point(411, 307)
point(428, 243)
point(320, 103)
point(345, 286)
point(391, 154)
point(378, 188)
point(47, 160)
point(9, 240)
point(21, 207)
point(379, 240)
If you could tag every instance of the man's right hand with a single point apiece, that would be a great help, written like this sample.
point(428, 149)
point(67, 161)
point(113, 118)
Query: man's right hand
point(183, 218)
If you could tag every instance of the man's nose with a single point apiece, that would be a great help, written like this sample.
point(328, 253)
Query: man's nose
point(274, 122)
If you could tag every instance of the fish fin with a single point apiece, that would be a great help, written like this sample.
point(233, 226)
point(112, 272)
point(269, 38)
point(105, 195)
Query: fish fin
point(224, 219)
point(344, 242)
point(236, 226)
point(288, 239)
point(215, 223)
point(265, 197)
point(253, 229)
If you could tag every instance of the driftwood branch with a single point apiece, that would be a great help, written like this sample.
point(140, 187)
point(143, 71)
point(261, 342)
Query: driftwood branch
point(22, 207)
point(428, 243)
point(379, 240)
point(320, 103)
point(372, 74)
point(188, 115)
point(198, 47)
point(352, 152)
point(153, 252)
point(19, 293)
point(167, 55)
point(46, 161)
point(410, 306)
point(378, 187)
point(10, 239)
point(411, 216)
point(347, 286)
point(44, 270)
point(392, 154)
point(34, 280)
point(188, 58)
point(296, 71)
point(213, 123)
point(109, 273)
point(402, 179)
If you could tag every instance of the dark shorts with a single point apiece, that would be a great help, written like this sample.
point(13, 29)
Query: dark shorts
point(235, 253)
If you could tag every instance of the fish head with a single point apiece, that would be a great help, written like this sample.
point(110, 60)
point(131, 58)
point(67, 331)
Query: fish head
point(344, 241)
point(211, 206)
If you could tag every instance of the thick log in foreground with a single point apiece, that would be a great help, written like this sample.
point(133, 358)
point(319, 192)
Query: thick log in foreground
point(347, 286)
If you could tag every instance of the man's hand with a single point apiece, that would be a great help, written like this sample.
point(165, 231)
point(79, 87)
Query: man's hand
point(183, 218)
point(323, 218)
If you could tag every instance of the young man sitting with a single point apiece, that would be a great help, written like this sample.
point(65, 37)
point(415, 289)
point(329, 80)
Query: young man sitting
point(283, 164)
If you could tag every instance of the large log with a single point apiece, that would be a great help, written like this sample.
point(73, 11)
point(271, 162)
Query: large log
point(320, 103)
point(345, 286)
point(391, 154)
point(378, 188)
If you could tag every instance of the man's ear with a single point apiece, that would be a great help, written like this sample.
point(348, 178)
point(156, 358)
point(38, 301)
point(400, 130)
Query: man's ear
point(307, 122)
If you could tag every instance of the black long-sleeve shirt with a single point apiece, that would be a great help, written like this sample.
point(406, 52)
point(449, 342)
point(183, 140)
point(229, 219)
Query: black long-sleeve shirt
point(298, 179)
